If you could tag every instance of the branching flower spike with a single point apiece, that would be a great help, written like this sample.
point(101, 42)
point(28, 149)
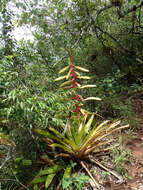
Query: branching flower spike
point(72, 78)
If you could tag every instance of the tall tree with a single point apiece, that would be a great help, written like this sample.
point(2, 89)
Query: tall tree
point(6, 37)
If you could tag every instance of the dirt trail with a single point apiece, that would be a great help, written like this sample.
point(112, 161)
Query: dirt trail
point(135, 144)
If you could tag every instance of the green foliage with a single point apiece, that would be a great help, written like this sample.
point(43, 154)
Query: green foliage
point(105, 174)
point(31, 102)
point(121, 158)
point(116, 98)
point(48, 173)
point(5, 140)
point(77, 181)
point(28, 100)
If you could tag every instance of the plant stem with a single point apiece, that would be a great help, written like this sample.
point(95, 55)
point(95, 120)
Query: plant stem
point(89, 173)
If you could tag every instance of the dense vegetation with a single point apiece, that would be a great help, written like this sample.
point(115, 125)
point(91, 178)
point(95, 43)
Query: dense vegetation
point(106, 38)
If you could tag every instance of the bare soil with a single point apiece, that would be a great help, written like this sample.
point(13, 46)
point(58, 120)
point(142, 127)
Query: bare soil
point(135, 168)
point(135, 144)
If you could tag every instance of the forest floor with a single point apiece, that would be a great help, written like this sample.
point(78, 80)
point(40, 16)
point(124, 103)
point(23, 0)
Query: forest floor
point(136, 146)
point(133, 168)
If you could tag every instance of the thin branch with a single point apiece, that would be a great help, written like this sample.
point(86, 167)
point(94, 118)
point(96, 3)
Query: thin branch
point(119, 177)
point(103, 9)
point(27, 5)
point(86, 169)
point(134, 8)
point(17, 180)
point(1, 180)
point(140, 16)
point(114, 39)
point(8, 156)
point(101, 30)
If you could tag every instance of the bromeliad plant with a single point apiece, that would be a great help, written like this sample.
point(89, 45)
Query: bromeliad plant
point(82, 136)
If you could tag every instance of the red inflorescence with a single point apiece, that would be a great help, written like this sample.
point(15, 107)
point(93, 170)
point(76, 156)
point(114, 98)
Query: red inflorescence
point(74, 85)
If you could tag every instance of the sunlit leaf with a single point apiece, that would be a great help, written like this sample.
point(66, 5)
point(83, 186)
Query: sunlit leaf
point(60, 78)
point(66, 83)
point(84, 77)
point(68, 75)
point(26, 162)
point(39, 179)
point(88, 125)
point(64, 147)
point(87, 86)
point(51, 170)
point(67, 173)
point(92, 98)
point(4, 139)
point(81, 69)
point(42, 132)
point(64, 69)
point(49, 179)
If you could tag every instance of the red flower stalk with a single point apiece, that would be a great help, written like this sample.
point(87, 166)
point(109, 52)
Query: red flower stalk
point(74, 85)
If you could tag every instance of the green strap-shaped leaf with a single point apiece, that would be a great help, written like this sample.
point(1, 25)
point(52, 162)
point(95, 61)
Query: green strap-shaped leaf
point(26, 162)
point(51, 170)
point(39, 179)
point(49, 179)
point(65, 148)
point(81, 134)
point(94, 133)
point(42, 132)
point(35, 187)
point(47, 134)
point(67, 173)
point(88, 125)
point(69, 141)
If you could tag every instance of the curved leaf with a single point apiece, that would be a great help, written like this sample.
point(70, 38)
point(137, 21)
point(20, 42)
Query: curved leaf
point(60, 78)
point(88, 86)
point(84, 77)
point(66, 83)
point(49, 180)
point(68, 75)
point(39, 179)
point(81, 69)
point(51, 170)
point(64, 69)
point(68, 171)
point(92, 98)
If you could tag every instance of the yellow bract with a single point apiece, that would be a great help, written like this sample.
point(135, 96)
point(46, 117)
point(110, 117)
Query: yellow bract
point(84, 77)
point(92, 98)
point(66, 83)
point(60, 78)
point(68, 75)
point(64, 69)
point(88, 86)
point(81, 69)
